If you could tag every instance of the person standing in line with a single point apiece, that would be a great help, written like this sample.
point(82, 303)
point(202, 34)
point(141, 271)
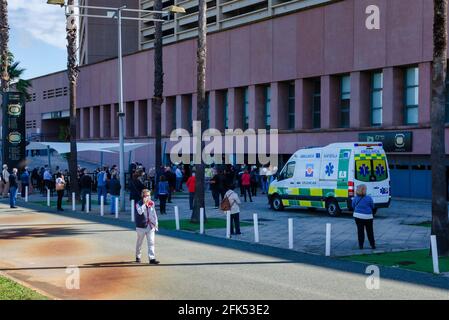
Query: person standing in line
point(235, 202)
point(5, 179)
point(179, 178)
point(12, 188)
point(171, 178)
point(191, 187)
point(47, 179)
point(25, 182)
point(246, 185)
point(146, 226)
point(215, 188)
point(363, 206)
point(114, 190)
point(163, 194)
point(101, 185)
point(60, 187)
point(136, 186)
point(86, 189)
point(254, 181)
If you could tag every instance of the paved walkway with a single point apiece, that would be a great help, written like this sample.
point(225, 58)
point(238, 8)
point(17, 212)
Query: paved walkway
point(394, 229)
point(37, 247)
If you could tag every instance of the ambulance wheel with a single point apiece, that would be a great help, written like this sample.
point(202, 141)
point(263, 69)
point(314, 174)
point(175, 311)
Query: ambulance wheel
point(332, 207)
point(276, 203)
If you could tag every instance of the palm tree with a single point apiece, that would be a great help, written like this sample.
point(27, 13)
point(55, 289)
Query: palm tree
point(201, 114)
point(15, 74)
point(158, 85)
point(440, 223)
point(72, 73)
point(4, 40)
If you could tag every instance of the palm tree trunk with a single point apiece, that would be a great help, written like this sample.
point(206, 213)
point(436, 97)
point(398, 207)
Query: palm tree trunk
point(4, 40)
point(198, 201)
point(158, 86)
point(440, 223)
point(72, 72)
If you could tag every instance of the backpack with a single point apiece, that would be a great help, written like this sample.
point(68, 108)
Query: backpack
point(225, 204)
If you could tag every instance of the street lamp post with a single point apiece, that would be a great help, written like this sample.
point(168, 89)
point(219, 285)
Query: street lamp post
point(121, 114)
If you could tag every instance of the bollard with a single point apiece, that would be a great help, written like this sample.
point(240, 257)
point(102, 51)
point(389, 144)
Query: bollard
point(102, 206)
point(87, 202)
point(228, 224)
point(133, 208)
point(290, 233)
point(328, 239)
point(73, 201)
point(201, 220)
point(177, 218)
point(26, 194)
point(48, 197)
point(256, 228)
point(116, 207)
point(433, 242)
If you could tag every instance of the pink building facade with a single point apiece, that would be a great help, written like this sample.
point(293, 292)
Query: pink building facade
point(318, 75)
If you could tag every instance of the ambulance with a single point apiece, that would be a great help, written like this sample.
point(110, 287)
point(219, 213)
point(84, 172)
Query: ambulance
point(327, 177)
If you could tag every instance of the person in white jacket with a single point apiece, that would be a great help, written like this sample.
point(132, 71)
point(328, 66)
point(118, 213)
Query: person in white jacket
point(5, 180)
point(146, 226)
point(234, 201)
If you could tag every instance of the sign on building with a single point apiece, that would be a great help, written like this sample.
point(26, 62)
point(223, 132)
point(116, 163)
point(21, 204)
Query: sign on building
point(392, 141)
point(13, 131)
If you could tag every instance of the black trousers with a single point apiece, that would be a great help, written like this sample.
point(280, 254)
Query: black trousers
point(60, 195)
point(362, 225)
point(246, 189)
point(254, 188)
point(216, 196)
point(235, 223)
point(162, 202)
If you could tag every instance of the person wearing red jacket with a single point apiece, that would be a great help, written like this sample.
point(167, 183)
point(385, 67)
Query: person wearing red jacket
point(191, 187)
point(246, 185)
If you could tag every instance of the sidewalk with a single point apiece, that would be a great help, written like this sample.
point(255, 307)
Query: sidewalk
point(394, 227)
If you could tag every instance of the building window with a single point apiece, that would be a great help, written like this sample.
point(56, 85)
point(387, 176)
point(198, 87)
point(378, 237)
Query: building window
point(345, 99)
point(226, 110)
point(316, 104)
point(173, 119)
point(376, 98)
point(245, 109)
point(267, 103)
point(291, 106)
point(411, 95)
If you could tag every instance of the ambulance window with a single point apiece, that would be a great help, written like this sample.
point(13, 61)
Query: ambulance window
point(371, 170)
point(288, 171)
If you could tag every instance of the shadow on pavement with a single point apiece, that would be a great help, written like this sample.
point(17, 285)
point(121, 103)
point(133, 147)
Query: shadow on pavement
point(289, 256)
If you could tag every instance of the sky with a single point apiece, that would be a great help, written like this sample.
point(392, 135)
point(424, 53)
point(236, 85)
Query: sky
point(37, 36)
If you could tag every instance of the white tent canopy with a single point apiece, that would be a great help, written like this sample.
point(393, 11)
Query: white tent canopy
point(64, 147)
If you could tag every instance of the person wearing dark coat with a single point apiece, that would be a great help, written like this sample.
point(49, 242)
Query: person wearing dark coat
point(136, 187)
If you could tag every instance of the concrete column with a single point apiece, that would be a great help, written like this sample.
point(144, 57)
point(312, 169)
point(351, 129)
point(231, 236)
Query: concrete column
point(216, 110)
point(256, 107)
point(113, 115)
point(235, 108)
point(150, 118)
point(279, 105)
point(392, 99)
point(137, 117)
point(194, 103)
point(91, 123)
point(425, 93)
point(330, 118)
point(102, 121)
point(164, 117)
point(303, 103)
point(360, 106)
point(83, 124)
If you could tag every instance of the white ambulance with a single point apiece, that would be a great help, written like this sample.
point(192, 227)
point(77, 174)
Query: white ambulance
point(327, 177)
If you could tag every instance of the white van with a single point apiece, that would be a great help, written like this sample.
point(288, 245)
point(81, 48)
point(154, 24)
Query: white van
point(327, 177)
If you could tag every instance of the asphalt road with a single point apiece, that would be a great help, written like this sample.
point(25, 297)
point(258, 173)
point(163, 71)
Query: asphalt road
point(36, 248)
